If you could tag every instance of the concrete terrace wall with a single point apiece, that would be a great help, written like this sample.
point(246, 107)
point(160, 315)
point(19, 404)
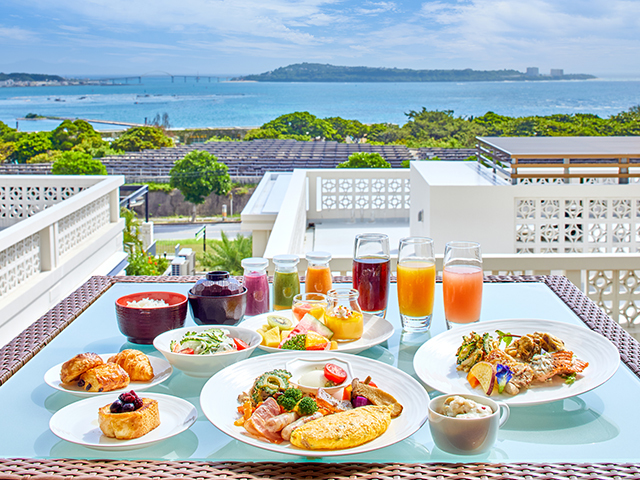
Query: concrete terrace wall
point(163, 204)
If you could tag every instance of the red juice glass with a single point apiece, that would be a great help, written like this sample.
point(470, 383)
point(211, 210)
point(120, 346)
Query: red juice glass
point(371, 272)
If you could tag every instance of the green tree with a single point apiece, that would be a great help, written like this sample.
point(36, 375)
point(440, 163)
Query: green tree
point(228, 254)
point(31, 144)
point(77, 163)
point(141, 138)
point(7, 149)
point(140, 262)
point(50, 156)
point(365, 160)
point(70, 134)
point(303, 123)
point(8, 134)
point(427, 124)
point(199, 174)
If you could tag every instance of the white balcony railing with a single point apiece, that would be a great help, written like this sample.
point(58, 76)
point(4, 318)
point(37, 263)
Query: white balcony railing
point(57, 231)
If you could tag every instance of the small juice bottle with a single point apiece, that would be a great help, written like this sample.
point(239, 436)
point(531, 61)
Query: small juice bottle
point(286, 282)
point(257, 285)
point(318, 277)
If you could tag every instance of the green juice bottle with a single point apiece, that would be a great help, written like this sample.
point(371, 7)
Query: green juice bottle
point(286, 282)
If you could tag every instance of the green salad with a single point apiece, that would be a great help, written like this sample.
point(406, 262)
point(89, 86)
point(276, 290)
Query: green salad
point(207, 342)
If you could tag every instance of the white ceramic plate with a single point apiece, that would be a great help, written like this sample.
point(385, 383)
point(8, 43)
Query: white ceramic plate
point(78, 422)
point(219, 399)
point(435, 361)
point(376, 330)
point(161, 369)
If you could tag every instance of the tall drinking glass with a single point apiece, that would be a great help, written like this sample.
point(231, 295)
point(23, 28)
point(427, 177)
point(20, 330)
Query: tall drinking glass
point(462, 283)
point(416, 283)
point(371, 270)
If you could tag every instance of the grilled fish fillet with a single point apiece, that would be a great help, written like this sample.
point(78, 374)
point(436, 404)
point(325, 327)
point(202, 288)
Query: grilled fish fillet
point(346, 429)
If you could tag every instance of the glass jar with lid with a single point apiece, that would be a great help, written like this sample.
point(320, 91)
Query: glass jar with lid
point(318, 278)
point(343, 314)
point(286, 282)
point(257, 284)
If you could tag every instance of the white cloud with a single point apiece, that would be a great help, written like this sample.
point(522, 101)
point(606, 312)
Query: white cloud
point(17, 34)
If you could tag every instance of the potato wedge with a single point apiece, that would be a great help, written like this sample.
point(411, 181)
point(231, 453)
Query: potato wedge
point(485, 373)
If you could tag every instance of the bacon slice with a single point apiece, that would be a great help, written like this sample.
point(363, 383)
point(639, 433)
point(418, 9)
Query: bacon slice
point(257, 423)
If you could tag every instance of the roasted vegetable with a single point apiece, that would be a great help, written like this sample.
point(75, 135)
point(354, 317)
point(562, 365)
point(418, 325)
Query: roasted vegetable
point(290, 398)
point(474, 348)
point(296, 342)
point(307, 406)
point(268, 384)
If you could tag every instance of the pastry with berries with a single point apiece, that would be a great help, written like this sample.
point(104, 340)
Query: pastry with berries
point(129, 417)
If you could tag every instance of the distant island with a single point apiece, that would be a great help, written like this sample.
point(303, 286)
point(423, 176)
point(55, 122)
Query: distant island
point(317, 72)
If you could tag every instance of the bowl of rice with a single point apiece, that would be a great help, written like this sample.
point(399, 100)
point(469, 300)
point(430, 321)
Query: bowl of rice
point(145, 315)
point(201, 351)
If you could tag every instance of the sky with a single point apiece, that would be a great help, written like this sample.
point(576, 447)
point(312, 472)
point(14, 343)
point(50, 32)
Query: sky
point(235, 37)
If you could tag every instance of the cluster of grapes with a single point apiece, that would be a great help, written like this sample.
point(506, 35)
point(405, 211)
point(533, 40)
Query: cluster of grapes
point(126, 402)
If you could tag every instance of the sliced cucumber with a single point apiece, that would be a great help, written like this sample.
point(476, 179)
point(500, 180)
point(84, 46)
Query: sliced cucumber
point(278, 321)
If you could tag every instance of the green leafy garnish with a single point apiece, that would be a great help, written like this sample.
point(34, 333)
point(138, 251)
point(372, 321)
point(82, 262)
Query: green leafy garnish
point(507, 338)
point(569, 379)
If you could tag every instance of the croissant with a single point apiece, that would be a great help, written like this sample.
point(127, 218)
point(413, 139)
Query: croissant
point(135, 363)
point(104, 378)
point(72, 369)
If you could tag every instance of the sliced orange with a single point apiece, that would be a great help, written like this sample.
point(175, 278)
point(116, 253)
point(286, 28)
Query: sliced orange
point(315, 341)
point(473, 381)
point(485, 373)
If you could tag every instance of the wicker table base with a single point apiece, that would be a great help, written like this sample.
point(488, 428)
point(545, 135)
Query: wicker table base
point(20, 350)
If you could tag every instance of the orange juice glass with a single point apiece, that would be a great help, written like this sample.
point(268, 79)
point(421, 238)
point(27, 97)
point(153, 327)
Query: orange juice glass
point(416, 283)
point(318, 276)
point(462, 283)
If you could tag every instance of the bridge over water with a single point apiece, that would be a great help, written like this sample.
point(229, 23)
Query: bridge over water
point(161, 74)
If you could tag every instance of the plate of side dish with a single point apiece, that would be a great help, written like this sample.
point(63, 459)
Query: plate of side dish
point(219, 401)
point(78, 422)
point(375, 331)
point(162, 370)
point(580, 361)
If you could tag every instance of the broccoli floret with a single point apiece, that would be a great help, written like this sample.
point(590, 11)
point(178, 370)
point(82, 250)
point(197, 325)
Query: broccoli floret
point(290, 398)
point(307, 406)
point(297, 342)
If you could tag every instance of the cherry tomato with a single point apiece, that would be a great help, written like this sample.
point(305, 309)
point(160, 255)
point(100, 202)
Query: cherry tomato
point(334, 373)
point(240, 344)
point(188, 351)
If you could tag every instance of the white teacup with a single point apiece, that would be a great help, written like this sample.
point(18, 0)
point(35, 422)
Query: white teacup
point(466, 436)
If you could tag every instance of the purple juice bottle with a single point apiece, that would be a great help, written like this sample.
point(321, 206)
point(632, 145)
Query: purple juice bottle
point(257, 285)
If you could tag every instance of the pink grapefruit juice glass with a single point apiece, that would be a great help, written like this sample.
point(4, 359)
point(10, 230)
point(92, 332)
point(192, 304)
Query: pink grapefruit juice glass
point(462, 283)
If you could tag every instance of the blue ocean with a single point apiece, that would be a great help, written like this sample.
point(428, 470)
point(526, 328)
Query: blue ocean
point(212, 103)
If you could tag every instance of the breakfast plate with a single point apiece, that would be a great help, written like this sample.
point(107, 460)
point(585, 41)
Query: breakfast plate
point(219, 399)
point(78, 422)
point(435, 361)
point(376, 330)
point(161, 369)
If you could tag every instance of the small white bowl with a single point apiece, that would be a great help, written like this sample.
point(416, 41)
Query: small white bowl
point(205, 366)
point(300, 367)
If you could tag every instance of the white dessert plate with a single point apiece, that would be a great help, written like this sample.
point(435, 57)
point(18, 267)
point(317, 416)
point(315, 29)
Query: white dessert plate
point(435, 361)
point(78, 422)
point(219, 399)
point(376, 330)
point(161, 369)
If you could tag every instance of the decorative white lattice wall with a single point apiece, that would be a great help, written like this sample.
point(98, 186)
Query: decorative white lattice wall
point(18, 202)
point(578, 225)
point(81, 224)
point(19, 262)
point(383, 195)
point(617, 292)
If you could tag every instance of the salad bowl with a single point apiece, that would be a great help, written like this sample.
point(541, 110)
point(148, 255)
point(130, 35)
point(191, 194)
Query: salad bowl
point(205, 365)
